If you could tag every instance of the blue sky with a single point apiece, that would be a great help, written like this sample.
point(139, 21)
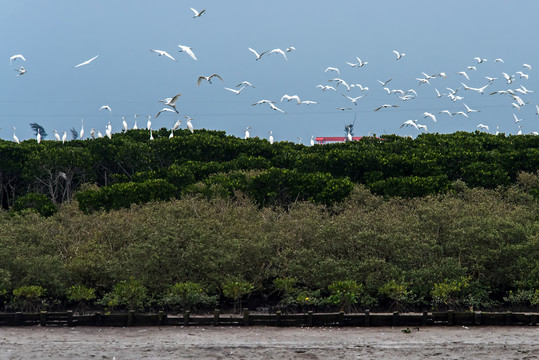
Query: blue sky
point(435, 36)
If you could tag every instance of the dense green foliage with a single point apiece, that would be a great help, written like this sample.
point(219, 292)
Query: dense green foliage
point(131, 169)
point(468, 247)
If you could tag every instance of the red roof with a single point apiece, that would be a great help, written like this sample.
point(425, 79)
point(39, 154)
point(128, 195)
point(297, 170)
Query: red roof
point(325, 139)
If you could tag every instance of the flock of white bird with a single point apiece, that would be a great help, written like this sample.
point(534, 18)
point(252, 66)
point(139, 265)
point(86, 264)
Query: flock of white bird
point(515, 94)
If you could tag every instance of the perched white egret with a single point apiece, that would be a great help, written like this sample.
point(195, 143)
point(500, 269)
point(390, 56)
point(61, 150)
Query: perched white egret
point(198, 13)
point(38, 136)
point(187, 50)
point(108, 132)
point(64, 137)
point(124, 123)
point(258, 56)
point(81, 133)
point(92, 133)
point(151, 134)
point(57, 136)
point(171, 134)
point(87, 62)
point(163, 53)
point(312, 140)
point(177, 124)
point(15, 138)
point(99, 135)
point(271, 137)
point(207, 78)
point(247, 134)
point(189, 124)
point(149, 122)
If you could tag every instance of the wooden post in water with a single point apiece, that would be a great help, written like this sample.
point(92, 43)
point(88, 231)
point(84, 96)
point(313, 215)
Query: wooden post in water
point(477, 318)
point(43, 318)
point(341, 318)
point(216, 314)
point(395, 318)
point(130, 316)
point(186, 315)
point(310, 318)
point(278, 318)
point(246, 317)
point(69, 318)
point(367, 318)
point(450, 317)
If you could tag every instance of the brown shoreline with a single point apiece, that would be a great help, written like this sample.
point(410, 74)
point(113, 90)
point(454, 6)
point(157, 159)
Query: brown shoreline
point(178, 342)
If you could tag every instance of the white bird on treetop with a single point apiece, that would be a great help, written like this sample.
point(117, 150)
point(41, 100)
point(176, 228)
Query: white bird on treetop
point(270, 137)
point(87, 62)
point(189, 124)
point(247, 134)
point(81, 134)
point(15, 138)
point(57, 136)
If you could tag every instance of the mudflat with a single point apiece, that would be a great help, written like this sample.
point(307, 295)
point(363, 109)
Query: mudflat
point(268, 343)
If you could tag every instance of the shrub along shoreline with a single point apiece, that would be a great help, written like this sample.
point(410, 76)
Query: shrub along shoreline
point(468, 248)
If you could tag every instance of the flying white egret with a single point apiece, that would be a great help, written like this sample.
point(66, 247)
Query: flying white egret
point(412, 123)
point(290, 49)
point(479, 90)
point(21, 71)
point(263, 101)
point(15, 57)
point(471, 68)
point(278, 51)
point(537, 109)
point(361, 87)
point(341, 81)
point(163, 53)
point(490, 79)
point(275, 107)
point(258, 56)
point(479, 60)
point(247, 134)
point(87, 62)
point(198, 13)
point(522, 75)
point(105, 107)
point(329, 68)
point(15, 138)
point(468, 110)
point(429, 115)
point(189, 124)
point(354, 100)
point(81, 134)
point(207, 78)
point(398, 54)
point(172, 101)
point(517, 120)
point(384, 83)
point(508, 78)
point(291, 97)
point(463, 73)
point(445, 112)
point(498, 60)
point(460, 113)
point(188, 50)
point(385, 106)
point(163, 110)
point(237, 92)
point(245, 83)
point(527, 66)
point(307, 102)
point(326, 87)
point(481, 126)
